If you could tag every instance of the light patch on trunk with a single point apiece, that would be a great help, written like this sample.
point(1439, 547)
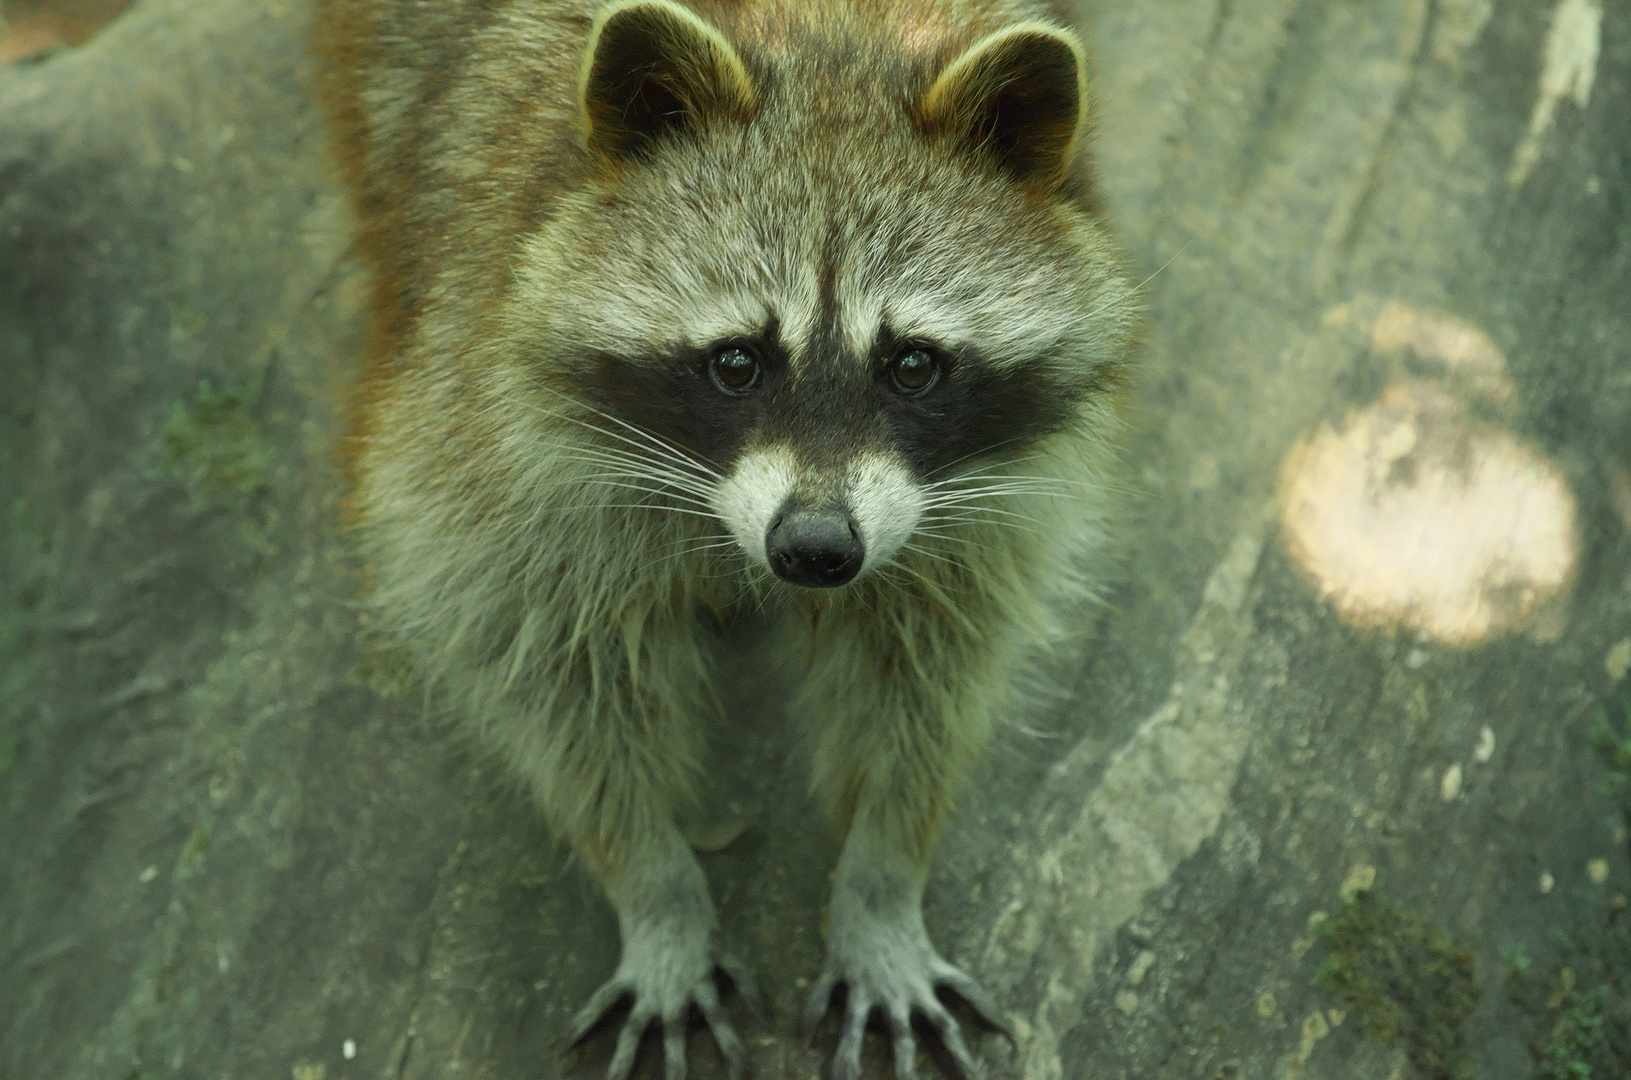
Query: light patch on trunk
point(1413, 514)
point(1422, 510)
point(1570, 68)
point(1471, 361)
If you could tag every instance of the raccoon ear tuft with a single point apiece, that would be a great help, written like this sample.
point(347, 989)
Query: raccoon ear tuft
point(1019, 96)
point(654, 68)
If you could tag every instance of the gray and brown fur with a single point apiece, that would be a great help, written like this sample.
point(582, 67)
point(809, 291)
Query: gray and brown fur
point(571, 208)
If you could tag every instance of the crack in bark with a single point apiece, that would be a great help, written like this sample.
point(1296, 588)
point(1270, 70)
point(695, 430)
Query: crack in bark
point(1214, 34)
point(1402, 103)
point(422, 969)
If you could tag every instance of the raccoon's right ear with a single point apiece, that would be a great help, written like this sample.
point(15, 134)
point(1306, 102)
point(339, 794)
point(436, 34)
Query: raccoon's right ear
point(1018, 96)
point(654, 68)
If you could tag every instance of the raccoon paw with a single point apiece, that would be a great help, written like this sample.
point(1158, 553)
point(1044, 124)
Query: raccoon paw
point(892, 969)
point(664, 975)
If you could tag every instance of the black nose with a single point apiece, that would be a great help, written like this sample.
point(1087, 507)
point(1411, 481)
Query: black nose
point(819, 550)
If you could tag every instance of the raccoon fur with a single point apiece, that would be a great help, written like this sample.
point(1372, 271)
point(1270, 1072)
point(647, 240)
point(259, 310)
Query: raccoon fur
point(795, 305)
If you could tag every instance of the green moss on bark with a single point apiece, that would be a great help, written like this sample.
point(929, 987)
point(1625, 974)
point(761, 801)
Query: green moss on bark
point(214, 445)
point(1406, 980)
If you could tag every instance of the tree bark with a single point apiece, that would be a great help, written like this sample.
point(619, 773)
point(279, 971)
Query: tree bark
point(1336, 709)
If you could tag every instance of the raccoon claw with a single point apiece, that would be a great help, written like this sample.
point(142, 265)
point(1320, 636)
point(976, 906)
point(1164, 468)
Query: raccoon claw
point(746, 988)
point(594, 1010)
point(899, 992)
point(672, 1011)
point(984, 1005)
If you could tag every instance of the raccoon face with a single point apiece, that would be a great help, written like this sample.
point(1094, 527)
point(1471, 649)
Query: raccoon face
point(832, 302)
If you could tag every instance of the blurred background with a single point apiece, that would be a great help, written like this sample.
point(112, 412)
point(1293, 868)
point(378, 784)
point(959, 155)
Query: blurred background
point(1337, 780)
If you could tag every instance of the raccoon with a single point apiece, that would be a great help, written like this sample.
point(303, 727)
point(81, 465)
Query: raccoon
point(802, 306)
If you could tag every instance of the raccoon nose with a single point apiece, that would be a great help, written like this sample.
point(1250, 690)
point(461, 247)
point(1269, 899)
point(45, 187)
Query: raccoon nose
point(814, 549)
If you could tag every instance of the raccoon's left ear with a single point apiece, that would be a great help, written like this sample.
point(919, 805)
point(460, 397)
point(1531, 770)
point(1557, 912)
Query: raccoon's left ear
point(1019, 96)
point(654, 68)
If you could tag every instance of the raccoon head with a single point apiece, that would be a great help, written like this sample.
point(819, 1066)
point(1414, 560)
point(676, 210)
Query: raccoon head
point(830, 269)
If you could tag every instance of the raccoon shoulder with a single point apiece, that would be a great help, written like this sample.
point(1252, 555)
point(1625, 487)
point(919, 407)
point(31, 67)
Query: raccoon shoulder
point(454, 124)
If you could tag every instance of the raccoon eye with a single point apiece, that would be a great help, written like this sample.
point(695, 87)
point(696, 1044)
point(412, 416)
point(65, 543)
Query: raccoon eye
point(914, 373)
point(734, 371)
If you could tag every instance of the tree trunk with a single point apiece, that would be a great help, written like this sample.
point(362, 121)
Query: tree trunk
point(1321, 799)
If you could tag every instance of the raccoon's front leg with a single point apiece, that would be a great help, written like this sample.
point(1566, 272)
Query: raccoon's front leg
point(896, 740)
point(671, 950)
point(878, 948)
point(609, 736)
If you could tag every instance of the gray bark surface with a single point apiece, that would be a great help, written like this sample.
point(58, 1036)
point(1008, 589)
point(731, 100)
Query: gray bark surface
point(234, 841)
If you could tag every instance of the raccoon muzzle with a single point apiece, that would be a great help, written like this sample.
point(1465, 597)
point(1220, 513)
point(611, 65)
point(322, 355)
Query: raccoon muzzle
point(815, 549)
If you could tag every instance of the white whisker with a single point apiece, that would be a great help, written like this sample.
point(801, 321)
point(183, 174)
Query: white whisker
point(661, 446)
point(653, 466)
point(932, 555)
point(633, 506)
point(603, 480)
point(977, 474)
point(996, 492)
